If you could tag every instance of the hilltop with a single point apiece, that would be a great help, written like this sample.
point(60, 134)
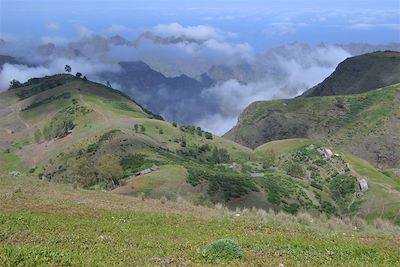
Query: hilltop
point(361, 74)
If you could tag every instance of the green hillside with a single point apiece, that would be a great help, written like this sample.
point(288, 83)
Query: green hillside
point(67, 129)
point(366, 125)
point(361, 74)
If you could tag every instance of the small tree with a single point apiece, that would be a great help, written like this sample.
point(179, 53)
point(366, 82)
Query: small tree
point(136, 128)
point(295, 170)
point(78, 75)
point(199, 131)
point(174, 124)
point(109, 169)
point(161, 131)
point(183, 143)
point(142, 129)
point(269, 159)
point(38, 135)
point(68, 68)
point(14, 84)
point(208, 135)
point(84, 78)
point(109, 84)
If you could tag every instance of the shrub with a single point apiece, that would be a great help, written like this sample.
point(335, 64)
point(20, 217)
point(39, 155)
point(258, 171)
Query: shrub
point(133, 162)
point(219, 155)
point(327, 207)
point(174, 124)
point(269, 158)
point(342, 186)
point(109, 169)
point(163, 200)
point(295, 170)
point(222, 184)
point(223, 249)
point(208, 135)
point(292, 208)
point(37, 135)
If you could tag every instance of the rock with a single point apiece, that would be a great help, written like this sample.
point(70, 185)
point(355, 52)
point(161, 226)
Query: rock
point(162, 260)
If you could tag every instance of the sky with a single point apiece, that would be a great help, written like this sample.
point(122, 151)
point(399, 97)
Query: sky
point(261, 23)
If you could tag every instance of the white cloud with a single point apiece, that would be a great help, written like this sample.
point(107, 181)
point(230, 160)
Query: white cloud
point(372, 26)
point(58, 40)
point(283, 28)
point(23, 73)
point(20, 73)
point(199, 32)
point(53, 26)
point(83, 30)
point(117, 28)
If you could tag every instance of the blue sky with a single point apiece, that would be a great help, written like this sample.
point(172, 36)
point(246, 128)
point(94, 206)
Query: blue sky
point(262, 24)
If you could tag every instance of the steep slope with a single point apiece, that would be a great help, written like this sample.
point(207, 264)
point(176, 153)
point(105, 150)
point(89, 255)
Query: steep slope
point(366, 125)
point(360, 74)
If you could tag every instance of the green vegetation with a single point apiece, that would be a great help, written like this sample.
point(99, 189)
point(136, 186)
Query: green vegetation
point(190, 164)
point(222, 184)
point(109, 169)
point(53, 225)
point(12, 162)
point(342, 188)
point(21, 143)
point(37, 85)
point(292, 203)
point(223, 249)
point(362, 124)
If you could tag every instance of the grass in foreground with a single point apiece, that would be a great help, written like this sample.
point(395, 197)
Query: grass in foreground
point(51, 224)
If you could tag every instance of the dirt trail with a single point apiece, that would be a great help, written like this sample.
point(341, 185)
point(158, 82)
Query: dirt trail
point(44, 148)
point(103, 116)
point(124, 189)
point(26, 124)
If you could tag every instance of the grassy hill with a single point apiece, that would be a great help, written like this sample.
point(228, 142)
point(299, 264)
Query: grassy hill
point(361, 74)
point(67, 129)
point(51, 224)
point(367, 125)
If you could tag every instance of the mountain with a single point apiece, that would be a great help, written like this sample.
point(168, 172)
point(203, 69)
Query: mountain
point(364, 124)
point(360, 74)
point(167, 96)
point(7, 59)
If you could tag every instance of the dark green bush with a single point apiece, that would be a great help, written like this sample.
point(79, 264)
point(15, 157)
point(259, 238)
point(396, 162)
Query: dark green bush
point(221, 182)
